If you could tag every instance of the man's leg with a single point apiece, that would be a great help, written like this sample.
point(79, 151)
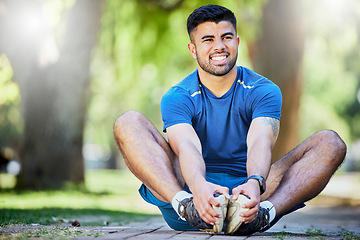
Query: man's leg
point(297, 177)
point(148, 155)
point(303, 173)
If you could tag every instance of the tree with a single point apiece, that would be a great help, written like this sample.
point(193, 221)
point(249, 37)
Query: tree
point(278, 54)
point(53, 87)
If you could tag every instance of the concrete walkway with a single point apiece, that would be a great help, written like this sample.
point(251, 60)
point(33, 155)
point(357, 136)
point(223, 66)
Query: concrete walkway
point(333, 215)
point(312, 222)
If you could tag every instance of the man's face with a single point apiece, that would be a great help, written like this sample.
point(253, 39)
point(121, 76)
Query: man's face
point(215, 47)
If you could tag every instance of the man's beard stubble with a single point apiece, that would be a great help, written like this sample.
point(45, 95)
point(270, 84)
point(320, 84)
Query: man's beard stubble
point(209, 68)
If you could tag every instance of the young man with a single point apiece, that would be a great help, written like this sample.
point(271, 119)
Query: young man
point(222, 121)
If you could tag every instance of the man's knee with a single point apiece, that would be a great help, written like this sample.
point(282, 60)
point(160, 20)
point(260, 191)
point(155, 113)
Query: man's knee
point(126, 122)
point(127, 119)
point(335, 146)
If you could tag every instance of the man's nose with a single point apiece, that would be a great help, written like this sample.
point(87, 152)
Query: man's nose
point(219, 44)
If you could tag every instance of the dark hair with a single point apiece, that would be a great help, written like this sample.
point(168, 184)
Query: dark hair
point(209, 13)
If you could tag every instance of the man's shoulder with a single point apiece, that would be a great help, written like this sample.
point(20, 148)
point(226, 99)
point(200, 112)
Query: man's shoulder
point(252, 77)
point(252, 80)
point(188, 86)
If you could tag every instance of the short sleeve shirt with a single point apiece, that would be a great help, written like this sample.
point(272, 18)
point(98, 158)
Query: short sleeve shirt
point(222, 123)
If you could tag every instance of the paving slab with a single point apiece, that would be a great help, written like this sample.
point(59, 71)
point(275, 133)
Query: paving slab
point(312, 222)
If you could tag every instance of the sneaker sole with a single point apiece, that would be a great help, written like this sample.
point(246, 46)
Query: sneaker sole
point(223, 211)
point(234, 220)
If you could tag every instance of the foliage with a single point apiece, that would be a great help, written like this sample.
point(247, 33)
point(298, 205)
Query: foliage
point(142, 51)
point(138, 59)
point(11, 124)
point(331, 69)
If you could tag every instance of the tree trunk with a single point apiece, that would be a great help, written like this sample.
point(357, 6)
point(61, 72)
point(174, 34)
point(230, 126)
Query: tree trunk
point(54, 96)
point(278, 55)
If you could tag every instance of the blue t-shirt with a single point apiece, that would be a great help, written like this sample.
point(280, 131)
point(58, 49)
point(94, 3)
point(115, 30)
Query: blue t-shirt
point(222, 123)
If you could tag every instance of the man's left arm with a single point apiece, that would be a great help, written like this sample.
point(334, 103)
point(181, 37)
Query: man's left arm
point(261, 138)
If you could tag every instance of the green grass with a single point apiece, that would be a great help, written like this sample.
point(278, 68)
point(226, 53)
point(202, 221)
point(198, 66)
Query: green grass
point(110, 197)
point(281, 235)
point(315, 234)
point(348, 235)
point(56, 216)
point(57, 232)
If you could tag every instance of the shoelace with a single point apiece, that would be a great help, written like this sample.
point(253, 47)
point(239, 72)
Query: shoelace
point(264, 221)
point(184, 209)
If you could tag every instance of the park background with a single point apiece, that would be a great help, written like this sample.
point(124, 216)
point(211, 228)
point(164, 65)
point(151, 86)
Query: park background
point(69, 68)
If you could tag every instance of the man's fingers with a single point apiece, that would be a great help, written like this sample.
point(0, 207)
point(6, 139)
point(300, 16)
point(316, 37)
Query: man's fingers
point(235, 193)
point(224, 191)
point(207, 212)
point(249, 215)
point(250, 204)
point(211, 210)
point(214, 203)
point(209, 215)
point(206, 202)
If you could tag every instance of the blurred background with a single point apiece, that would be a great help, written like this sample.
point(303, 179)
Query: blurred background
point(69, 68)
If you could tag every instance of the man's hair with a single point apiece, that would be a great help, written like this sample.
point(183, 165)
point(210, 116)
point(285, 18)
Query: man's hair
point(209, 13)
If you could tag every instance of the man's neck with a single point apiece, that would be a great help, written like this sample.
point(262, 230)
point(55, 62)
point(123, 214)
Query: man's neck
point(218, 85)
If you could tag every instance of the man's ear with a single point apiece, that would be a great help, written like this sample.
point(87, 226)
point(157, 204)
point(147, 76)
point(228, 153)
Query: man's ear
point(238, 40)
point(191, 48)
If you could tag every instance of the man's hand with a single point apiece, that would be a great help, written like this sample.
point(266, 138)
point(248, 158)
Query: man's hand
point(252, 190)
point(204, 200)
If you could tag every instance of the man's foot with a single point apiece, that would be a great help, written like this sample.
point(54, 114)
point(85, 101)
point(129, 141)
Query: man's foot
point(234, 220)
point(260, 224)
point(187, 210)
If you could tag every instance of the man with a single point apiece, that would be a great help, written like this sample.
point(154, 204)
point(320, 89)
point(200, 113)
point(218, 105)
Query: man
point(215, 172)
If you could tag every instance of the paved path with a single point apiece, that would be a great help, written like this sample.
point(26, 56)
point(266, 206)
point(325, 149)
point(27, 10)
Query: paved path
point(308, 223)
point(311, 222)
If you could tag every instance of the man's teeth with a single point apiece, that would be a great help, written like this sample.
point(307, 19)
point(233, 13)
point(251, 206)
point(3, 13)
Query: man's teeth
point(218, 58)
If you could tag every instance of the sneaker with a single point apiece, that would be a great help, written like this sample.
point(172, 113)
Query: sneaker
point(234, 220)
point(187, 210)
point(260, 224)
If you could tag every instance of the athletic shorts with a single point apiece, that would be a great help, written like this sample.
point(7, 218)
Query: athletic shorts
point(173, 219)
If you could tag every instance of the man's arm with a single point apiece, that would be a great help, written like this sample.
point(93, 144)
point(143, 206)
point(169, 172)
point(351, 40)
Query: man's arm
point(186, 145)
point(261, 138)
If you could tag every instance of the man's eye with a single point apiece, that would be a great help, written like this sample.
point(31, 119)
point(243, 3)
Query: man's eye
point(207, 40)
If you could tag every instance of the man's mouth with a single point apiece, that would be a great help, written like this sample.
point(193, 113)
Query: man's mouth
point(219, 59)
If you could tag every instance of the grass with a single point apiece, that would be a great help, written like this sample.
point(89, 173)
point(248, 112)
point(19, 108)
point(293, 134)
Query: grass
point(316, 234)
point(348, 235)
point(281, 235)
point(110, 198)
point(57, 232)
point(106, 189)
point(51, 216)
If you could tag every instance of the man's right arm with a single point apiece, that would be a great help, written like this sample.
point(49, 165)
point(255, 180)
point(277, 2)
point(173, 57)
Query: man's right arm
point(186, 145)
